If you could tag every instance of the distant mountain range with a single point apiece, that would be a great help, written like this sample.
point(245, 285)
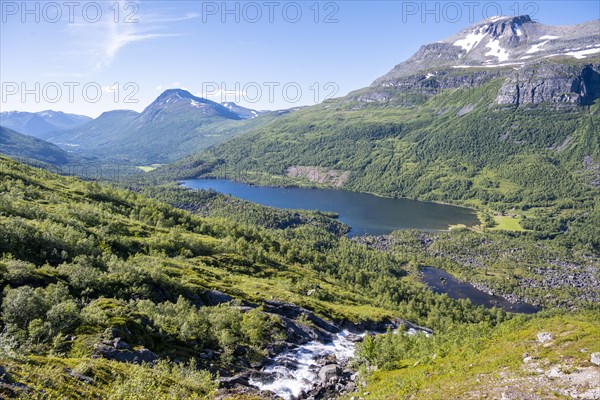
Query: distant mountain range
point(176, 124)
point(42, 123)
point(437, 101)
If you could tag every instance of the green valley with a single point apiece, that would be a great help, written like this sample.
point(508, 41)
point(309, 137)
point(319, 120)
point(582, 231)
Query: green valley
point(433, 235)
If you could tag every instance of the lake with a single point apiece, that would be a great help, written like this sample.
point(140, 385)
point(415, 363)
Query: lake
point(364, 213)
point(442, 282)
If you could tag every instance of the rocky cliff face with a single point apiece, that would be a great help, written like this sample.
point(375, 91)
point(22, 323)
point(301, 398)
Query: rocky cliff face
point(551, 83)
point(540, 64)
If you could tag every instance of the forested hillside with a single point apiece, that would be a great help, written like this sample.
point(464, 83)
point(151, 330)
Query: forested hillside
point(457, 147)
point(94, 276)
point(34, 151)
point(85, 263)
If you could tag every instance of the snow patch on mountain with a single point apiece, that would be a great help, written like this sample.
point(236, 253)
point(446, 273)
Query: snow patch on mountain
point(495, 18)
point(497, 51)
point(472, 39)
point(582, 53)
point(536, 47)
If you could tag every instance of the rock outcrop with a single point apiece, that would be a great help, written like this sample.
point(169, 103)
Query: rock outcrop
point(551, 83)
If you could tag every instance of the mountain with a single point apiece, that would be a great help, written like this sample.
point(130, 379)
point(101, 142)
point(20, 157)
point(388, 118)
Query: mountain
point(243, 112)
point(174, 125)
point(541, 63)
point(32, 150)
point(42, 123)
point(104, 129)
point(491, 135)
point(501, 41)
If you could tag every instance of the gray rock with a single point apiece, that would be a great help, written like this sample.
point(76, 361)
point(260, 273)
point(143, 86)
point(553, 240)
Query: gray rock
point(544, 337)
point(76, 375)
point(118, 343)
point(14, 389)
point(329, 372)
point(293, 311)
point(144, 356)
point(206, 354)
point(137, 357)
point(547, 82)
point(595, 358)
point(530, 57)
point(216, 297)
point(233, 381)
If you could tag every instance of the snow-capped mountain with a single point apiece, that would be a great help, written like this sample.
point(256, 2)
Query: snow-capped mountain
point(503, 41)
point(179, 101)
point(514, 41)
point(540, 63)
point(42, 123)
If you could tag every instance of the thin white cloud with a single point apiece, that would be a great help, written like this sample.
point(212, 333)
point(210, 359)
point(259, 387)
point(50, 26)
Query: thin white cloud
point(119, 40)
point(101, 42)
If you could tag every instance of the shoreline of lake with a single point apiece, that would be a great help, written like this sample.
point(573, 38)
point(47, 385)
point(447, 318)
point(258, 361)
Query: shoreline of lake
point(364, 213)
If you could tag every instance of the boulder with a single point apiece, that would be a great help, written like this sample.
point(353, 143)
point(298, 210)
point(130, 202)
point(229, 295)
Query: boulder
point(76, 375)
point(544, 337)
point(595, 358)
point(142, 355)
point(232, 381)
point(118, 343)
point(329, 372)
point(298, 333)
point(206, 354)
point(111, 353)
point(216, 297)
point(292, 311)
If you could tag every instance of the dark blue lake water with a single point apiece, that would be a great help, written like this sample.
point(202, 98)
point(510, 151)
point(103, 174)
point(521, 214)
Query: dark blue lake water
point(442, 282)
point(364, 213)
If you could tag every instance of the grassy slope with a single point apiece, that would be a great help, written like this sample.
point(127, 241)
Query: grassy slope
point(138, 246)
point(485, 363)
point(113, 251)
point(79, 258)
point(123, 137)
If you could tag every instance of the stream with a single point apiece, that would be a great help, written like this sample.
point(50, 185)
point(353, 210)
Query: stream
point(296, 371)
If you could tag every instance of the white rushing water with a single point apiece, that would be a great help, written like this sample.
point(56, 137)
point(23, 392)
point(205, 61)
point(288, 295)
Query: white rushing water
point(295, 371)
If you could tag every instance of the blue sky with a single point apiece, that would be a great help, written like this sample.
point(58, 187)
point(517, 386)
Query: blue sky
point(88, 57)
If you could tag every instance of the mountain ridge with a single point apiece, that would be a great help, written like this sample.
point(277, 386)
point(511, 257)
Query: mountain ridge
point(42, 123)
point(552, 60)
point(174, 125)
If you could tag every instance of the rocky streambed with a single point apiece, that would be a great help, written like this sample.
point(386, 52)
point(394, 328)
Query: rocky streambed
point(311, 370)
point(314, 361)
